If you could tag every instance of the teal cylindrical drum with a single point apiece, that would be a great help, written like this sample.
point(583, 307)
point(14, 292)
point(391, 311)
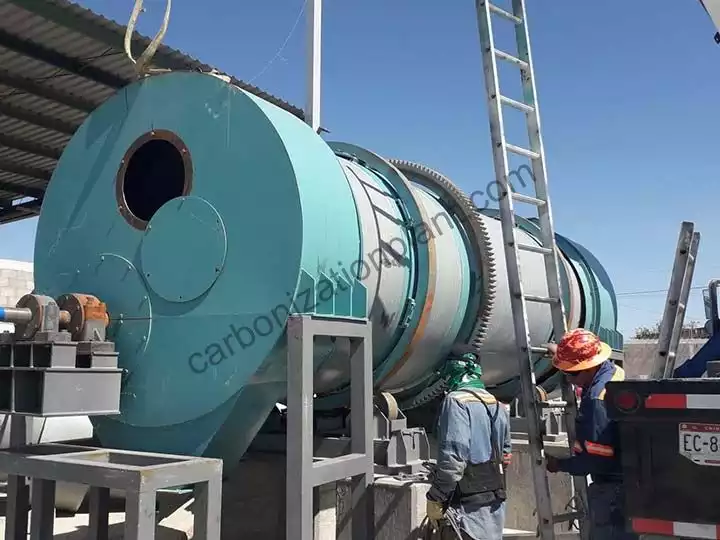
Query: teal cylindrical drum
point(204, 216)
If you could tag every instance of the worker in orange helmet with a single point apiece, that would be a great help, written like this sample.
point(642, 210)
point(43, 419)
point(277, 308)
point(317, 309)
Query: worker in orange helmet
point(585, 360)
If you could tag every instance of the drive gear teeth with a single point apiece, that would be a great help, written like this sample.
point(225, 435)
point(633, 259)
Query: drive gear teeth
point(456, 201)
point(431, 392)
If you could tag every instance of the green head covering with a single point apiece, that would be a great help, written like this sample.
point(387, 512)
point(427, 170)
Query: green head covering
point(462, 370)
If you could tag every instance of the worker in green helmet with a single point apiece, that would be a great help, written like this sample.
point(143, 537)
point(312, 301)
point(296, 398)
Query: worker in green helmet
point(467, 495)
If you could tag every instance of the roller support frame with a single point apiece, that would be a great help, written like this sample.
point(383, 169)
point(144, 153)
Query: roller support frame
point(552, 421)
point(397, 448)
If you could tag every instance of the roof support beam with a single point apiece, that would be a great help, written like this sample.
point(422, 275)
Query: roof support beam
point(59, 60)
point(20, 211)
point(47, 92)
point(75, 17)
point(23, 170)
point(36, 119)
point(29, 147)
point(65, 13)
point(21, 190)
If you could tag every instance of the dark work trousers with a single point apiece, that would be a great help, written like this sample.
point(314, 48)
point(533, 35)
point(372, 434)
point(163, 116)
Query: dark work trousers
point(607, 513)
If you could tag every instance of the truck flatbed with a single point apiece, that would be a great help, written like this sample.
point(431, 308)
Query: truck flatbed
point(670, 437)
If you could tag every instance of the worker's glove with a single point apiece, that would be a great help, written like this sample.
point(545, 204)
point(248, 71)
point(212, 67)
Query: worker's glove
point(551, 349)
point(435, 511)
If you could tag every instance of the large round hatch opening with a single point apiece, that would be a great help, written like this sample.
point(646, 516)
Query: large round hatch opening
point(155, 170)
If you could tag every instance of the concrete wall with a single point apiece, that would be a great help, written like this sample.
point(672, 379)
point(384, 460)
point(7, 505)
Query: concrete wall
point(16, 280)
point(640, 355)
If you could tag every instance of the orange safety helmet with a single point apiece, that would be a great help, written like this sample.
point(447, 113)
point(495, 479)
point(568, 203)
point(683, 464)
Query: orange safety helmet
point(579, 350)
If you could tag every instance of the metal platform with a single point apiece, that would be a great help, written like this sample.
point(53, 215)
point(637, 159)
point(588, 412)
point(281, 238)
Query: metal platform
point(139, 474)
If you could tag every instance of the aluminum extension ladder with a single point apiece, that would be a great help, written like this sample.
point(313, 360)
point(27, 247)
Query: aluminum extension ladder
point(676, 303)
point(501, 148)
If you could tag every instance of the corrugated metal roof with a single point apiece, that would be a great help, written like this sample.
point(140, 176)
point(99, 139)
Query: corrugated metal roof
point(58, 62)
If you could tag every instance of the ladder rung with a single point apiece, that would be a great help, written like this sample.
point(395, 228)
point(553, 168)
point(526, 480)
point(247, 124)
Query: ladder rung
point(570, 516)
point(512, 59)
point(503, 13)
point(535, 249)
point(521, 151)
point(552, 404)
point(541, 299)
point(527, 199)
point(517, 104)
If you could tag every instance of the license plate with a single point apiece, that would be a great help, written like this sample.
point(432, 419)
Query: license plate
point(700, 443)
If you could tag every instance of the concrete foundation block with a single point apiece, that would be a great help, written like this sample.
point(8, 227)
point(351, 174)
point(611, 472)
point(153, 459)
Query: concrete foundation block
point(326, 507)
point(399, 509)
point(521, 508)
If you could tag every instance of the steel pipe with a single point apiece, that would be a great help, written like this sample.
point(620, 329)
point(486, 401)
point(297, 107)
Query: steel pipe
point(15, 315)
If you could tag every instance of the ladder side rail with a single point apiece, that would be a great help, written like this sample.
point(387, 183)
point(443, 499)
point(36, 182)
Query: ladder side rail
point(522, 337)
point(539, 168)
point(671, 356)
point(673, 296)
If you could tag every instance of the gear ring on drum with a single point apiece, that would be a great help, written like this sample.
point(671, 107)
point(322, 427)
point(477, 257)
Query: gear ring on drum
point(454, 200)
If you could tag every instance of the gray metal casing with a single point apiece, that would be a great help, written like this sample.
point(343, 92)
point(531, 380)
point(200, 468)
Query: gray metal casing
point(42, 377)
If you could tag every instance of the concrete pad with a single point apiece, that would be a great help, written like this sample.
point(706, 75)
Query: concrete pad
point(75, 527)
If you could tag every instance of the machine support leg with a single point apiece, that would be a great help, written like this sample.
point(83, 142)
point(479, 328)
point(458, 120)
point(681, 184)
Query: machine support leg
point(18, 492)
point(99, 513)
point(43, 509)
point(208, 501)
point(140, 515)
point(361, 418)
point(300, 432)
point(303, 472)
point(18, 505)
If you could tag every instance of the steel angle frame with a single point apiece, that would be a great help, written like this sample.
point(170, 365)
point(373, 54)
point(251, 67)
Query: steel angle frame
point(305, 472)
point(139, 474)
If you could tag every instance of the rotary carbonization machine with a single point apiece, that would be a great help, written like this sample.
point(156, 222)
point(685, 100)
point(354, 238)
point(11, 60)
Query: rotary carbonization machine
point(200, 251)
point(202, 222)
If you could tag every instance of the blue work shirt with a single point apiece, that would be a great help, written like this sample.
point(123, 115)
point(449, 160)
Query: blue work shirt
point(596, 449)
point(464, 438)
